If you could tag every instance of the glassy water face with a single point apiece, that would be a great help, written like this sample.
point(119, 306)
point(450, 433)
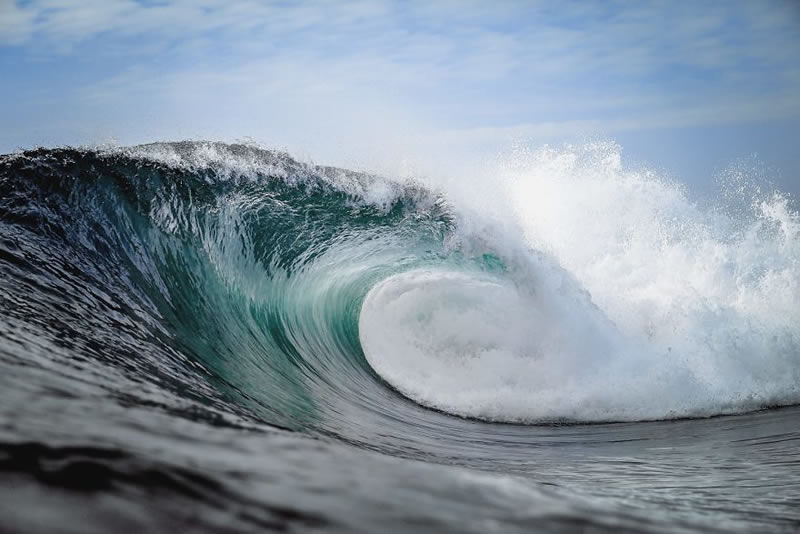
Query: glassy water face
point(217, 338)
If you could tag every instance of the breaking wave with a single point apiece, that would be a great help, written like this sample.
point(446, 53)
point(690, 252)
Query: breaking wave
point(564, 287)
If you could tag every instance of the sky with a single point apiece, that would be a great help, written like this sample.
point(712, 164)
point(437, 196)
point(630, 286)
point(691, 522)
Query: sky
point(688, 88)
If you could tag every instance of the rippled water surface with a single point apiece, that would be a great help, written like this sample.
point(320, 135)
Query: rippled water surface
point(211, 337)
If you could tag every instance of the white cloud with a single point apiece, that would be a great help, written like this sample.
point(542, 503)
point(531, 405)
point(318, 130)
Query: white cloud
point(362, 71)
point(15, 23)
point(70, 22)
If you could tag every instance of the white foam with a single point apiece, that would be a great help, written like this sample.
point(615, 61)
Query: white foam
point(249, 161)
point(623, 299)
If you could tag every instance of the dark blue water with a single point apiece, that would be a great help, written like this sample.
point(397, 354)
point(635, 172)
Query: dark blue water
point(180, 350)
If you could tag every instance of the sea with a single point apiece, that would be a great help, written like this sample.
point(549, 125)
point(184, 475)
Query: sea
point(213, 337)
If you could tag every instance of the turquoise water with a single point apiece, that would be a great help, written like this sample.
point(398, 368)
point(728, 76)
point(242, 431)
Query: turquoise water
point(218, 337)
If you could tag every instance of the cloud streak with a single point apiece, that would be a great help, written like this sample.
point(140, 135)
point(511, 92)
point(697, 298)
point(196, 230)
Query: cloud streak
point(357, 71)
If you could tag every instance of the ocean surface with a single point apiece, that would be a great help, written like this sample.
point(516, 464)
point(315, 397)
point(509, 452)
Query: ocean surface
point(206, 337)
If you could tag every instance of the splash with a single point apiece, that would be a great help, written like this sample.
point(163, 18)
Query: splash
point(559, 286)
point(619, 298)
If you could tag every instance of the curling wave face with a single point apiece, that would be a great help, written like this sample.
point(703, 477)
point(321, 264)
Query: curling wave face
point(237, 333)
point(594, 294)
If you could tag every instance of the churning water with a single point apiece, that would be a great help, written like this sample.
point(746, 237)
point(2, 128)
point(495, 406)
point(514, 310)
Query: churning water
point(217, 337)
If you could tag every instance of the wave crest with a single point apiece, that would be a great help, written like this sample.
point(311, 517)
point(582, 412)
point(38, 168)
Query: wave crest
point(572, 289)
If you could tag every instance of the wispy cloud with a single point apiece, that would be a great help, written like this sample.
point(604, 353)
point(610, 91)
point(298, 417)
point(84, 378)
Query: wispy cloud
point(372, 69)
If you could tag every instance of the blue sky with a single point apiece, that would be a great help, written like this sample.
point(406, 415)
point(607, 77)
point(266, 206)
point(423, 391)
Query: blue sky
point(688, 87)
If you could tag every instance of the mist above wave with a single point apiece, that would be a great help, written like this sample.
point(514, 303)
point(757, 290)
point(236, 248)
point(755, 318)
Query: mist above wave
point(620, 298)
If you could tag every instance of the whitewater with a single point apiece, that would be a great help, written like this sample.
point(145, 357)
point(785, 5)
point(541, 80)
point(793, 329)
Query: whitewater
point(219, 336)
point(619, 299)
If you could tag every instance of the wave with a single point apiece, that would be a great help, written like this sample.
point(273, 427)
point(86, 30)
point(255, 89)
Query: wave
point(562, 287)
